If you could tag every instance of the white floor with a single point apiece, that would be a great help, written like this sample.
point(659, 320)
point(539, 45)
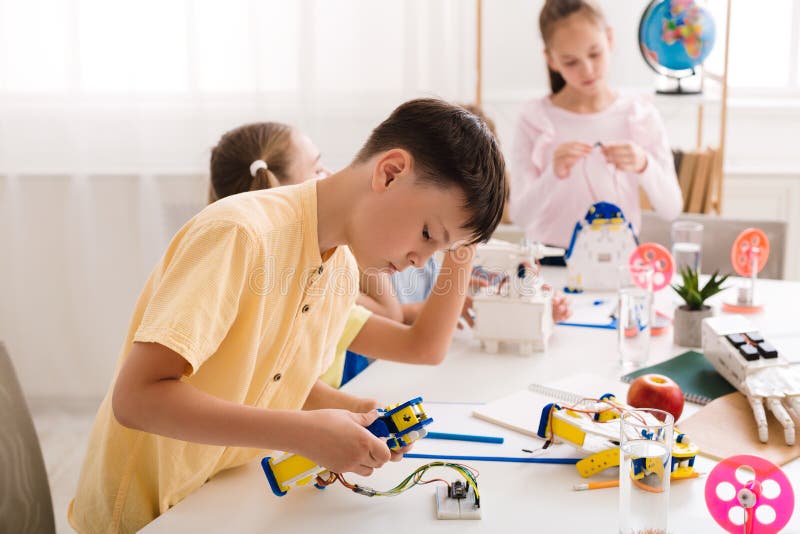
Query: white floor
point(63, 434)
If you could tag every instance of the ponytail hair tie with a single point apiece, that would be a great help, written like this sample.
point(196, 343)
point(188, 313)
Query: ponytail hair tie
point(257, 164)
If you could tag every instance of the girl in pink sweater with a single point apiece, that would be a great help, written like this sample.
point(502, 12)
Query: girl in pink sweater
point(585, 142)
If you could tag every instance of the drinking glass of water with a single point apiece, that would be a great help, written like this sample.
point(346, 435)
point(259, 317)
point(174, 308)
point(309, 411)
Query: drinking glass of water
point(644, 470)
point(687, 244)
point(634, 314)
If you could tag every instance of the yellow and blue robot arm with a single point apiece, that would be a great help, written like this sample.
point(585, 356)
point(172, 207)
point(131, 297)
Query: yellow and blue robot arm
point(402, 424)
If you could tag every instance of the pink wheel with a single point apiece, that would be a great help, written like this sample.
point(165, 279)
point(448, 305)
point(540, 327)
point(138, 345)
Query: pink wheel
point(751, 241)
point(747, 493)
point(657, 257)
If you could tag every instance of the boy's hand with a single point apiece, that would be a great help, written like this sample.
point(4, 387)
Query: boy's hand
point(339, 441)
point(362, 405)
point(367, 406)
point(627, 157)
point(398, 454)
point(567, 155)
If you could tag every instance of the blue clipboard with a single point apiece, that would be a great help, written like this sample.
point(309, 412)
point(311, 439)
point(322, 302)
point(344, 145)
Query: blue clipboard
point(592, 312)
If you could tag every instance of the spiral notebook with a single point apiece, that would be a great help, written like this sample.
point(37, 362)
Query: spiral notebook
point(698, 379)
point(521, 411)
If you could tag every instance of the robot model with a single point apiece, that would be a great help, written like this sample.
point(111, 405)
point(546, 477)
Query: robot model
point(514, 306)
point(593, 426)
point(601, 242)
point(754, 367)
point(402, 424)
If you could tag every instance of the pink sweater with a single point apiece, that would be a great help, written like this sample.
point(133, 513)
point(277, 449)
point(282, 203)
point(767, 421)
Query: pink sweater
point(547, 207)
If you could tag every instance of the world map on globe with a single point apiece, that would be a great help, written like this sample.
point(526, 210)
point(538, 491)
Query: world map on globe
point(677, 35)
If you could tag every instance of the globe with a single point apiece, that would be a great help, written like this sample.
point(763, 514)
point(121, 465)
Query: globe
point(675, 36)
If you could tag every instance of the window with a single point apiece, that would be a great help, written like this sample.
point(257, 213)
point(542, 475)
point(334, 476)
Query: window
point(119, 47)
point(148, 85)
point(764, 44)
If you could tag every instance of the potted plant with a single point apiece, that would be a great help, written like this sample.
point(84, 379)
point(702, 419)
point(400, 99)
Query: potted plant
point(689, 316)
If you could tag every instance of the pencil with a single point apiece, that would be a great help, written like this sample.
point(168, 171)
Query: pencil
point(596, 485)
point(615, 483)
point(463, 437)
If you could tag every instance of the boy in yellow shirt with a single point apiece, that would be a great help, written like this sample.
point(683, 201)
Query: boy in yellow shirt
point(278, 155)
point(243, 312)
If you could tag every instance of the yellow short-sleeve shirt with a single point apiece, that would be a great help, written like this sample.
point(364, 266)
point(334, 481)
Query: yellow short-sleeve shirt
point(243, 294)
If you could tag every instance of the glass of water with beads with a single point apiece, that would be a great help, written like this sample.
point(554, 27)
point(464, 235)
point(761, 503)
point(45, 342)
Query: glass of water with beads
point(644, 471)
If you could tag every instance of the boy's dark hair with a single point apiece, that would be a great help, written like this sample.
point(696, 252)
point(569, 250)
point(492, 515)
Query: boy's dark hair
point(450, 147)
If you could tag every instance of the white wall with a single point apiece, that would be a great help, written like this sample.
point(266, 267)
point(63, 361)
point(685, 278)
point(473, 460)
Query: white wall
point(90, 193)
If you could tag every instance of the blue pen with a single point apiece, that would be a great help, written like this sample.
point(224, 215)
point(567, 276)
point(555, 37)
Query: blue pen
point(464, 437)
point(494, 459)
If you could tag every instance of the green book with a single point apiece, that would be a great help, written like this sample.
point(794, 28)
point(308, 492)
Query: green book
point(698, 379)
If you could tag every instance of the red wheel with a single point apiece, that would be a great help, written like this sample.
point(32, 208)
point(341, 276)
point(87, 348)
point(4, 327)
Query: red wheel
point(657, 257)
point(751, 241)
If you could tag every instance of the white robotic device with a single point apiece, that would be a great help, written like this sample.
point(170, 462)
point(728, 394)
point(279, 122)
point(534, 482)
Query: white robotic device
point(601, 242)
point(515, 306)
point(756, 368)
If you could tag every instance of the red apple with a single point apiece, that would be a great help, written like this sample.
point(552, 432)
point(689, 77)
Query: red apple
point(656, 391)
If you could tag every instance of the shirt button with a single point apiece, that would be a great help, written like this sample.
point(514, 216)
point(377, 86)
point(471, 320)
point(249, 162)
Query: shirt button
point(306, 307)
point(319, 271)
point(276, 377)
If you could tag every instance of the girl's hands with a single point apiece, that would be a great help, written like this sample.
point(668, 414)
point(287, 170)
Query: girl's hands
point(567, 155)
point(627, 157)
point(476, 282)
point(561, 311)
point(467, 314)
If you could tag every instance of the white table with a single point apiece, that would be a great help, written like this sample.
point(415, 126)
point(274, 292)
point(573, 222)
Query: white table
point(515, 497)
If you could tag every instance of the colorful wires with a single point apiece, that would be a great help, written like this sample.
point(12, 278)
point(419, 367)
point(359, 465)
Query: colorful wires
point(611, 405)
point(414, 479)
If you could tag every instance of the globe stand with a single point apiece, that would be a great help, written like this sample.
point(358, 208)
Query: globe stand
point(679, 87)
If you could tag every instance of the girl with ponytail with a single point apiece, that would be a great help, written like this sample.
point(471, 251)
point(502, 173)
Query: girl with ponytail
point(585, 142)
point(262, 155)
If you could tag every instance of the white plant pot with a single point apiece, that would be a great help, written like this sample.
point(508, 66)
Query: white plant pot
point(686, 326)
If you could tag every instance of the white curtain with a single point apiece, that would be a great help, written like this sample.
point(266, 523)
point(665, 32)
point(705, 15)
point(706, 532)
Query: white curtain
point(108, 110)
point(109, 85)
